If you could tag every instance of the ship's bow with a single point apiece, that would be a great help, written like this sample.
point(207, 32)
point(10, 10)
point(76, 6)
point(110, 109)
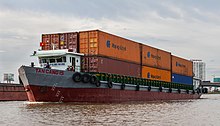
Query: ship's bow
point(24, 80)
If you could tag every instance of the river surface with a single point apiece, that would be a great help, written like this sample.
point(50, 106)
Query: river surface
point(201, 112)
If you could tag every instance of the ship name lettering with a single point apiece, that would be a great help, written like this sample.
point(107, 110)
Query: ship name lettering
point(48, 71)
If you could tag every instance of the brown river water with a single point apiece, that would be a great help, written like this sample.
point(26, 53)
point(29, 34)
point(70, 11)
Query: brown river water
point(201, 112)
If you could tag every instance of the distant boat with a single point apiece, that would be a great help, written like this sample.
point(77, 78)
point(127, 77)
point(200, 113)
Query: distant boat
point(12, 92)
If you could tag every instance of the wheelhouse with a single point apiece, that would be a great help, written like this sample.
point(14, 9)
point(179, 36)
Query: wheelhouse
point(59, 59)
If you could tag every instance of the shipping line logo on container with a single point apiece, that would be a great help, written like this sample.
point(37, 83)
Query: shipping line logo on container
point(150, 76)
point(180, 65)
point(153, 56)
point(115, 46)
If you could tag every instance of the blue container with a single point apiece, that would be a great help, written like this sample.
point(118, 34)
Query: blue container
point(177, 78)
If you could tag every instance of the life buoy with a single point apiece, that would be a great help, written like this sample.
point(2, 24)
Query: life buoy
point(77, 77)
point(86, 78)
point(122, 86)
point(149, 88)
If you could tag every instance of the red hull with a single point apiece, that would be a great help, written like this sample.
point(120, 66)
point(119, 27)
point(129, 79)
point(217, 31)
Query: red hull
point(12, 93)
point(99, 95)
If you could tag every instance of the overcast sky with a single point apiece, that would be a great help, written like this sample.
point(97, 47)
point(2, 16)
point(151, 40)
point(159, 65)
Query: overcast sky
point(187, 28)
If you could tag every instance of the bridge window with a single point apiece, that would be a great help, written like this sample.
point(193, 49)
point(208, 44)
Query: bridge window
point(59, 59)
point(52, 60)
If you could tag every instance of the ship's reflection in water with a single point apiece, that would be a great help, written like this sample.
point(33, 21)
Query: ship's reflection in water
point(199, 112)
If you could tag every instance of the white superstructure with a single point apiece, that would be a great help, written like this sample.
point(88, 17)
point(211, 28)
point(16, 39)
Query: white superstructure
point(59, 59)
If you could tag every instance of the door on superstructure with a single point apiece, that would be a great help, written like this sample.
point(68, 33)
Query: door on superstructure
point(73, 63)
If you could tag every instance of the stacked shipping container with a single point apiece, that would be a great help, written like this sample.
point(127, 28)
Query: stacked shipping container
point(109, 65)
point(108, 53)
point(156, 64)
point(156, 58)
point(60, 41)
point(182, 70)
point(99, 43)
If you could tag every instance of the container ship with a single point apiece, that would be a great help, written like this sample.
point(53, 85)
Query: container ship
point(12, 92)
point(95, 66)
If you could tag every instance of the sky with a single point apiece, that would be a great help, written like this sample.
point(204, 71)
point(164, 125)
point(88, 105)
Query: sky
point(187, 28)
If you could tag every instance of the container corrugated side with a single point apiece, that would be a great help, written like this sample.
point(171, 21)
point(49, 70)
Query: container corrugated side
point(84, 42)
point(63, 41)
point(156, 74)
point(72, 39)
point(157, 58)
point(68, 40)
point(47, 42)
point(104, 44)
point(55, 41)
point(109, 65)
point(182, 66)
point(181, 79)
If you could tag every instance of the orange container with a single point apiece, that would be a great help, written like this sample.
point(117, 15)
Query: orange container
point(84, 42)
point(104, 44)
point(156, 74)
point(156, 58)
point(182, 66)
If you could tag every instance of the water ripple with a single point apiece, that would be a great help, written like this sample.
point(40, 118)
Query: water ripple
point(199, 112)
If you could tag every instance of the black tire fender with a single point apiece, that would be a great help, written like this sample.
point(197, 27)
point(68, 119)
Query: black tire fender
point(122, 86)
point(149, 88)
point(137, 87)
point(160, 88)
point(93, 79)
point(86, 78)
point(77, 77)
point(110, 85)
point(170, 90)
point(179, 91)
point(98, 84)
point(187, 91)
